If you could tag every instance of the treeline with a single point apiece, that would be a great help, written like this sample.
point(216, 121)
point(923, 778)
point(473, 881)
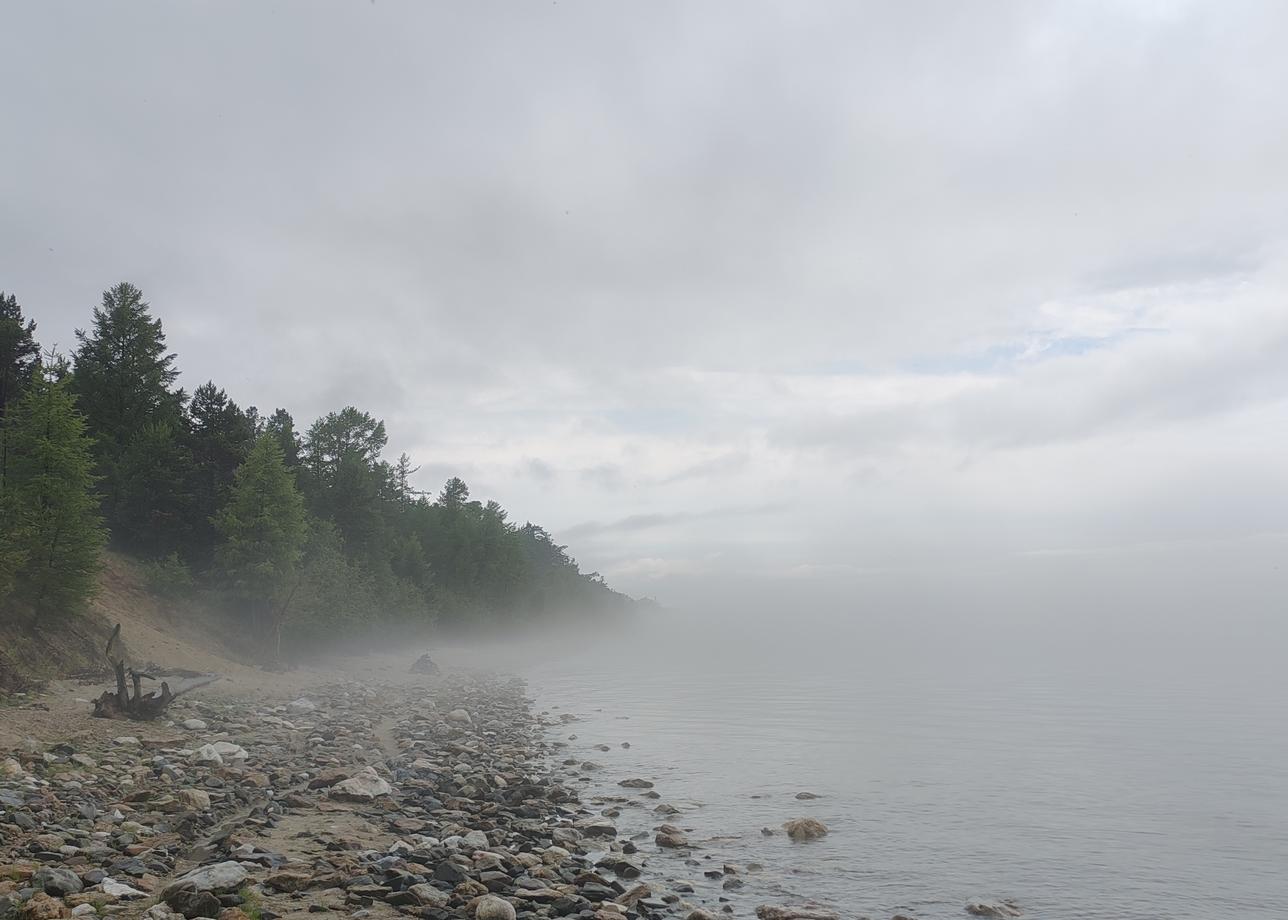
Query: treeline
point(306, 534)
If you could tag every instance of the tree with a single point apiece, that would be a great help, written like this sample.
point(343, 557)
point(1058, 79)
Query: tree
point(50, 500)
point(349, 433)
point(282, 427)
point(19, 357)
point(220, 436)
point(262, 530)
point(124, 383)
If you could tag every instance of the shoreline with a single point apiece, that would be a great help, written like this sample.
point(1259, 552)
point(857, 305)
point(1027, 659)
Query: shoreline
point(407, 797)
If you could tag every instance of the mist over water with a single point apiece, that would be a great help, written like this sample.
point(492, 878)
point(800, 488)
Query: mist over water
point(1103, 767)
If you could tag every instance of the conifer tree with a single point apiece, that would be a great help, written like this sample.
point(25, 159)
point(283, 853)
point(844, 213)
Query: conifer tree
point(50, 500)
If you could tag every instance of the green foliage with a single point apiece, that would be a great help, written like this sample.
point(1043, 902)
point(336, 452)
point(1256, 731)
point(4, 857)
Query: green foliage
point(262, 527)
point(312, 538)
point(169, 578)
point(124, 383)
point(49, 501)
point(19, 357)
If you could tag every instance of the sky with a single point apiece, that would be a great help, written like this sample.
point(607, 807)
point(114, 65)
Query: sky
point(788, 302)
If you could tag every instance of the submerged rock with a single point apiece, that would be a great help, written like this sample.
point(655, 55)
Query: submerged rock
point(805, 829)
point(996, 909)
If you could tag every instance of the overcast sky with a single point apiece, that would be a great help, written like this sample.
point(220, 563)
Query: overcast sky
point(786, 296)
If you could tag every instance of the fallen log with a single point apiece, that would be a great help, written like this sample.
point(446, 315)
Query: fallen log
point(139, 707)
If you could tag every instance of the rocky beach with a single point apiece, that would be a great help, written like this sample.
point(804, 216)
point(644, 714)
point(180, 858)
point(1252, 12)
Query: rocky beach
point(425, 796)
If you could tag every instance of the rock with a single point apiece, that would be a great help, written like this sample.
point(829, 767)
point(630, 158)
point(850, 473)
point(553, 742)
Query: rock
point(700, 914)
point(194, 798)
point(671, 837)
point(636, 784)
point(229, 751)
point(115, 889)
point(233, 913)
point(194, 725)
point(476, 840)
point(41, 906)
point(11, 769)
point(805, 829)
point(459, 717)
point(490, 907)
point(57, 881)
point(192, 903)
point(424, 665)
point(805, 796)
point(427, 895)
point(770, 912)
point(218, 878)
point(207, 755)
point(597, 827)
point(159, 912)
point(997, 909)
point(302, 705)
point(288, 880)
point(84, 910)
point(363, 786)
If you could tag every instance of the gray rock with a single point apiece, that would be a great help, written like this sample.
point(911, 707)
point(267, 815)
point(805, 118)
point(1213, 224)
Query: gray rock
point(218, 878)
point(427, 895)
point(771, 912)
point(490, 907)
point(805, 829)
point(995, 909)
point(57, 881)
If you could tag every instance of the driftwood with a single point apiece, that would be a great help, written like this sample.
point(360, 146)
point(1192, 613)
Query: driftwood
point(139, 707)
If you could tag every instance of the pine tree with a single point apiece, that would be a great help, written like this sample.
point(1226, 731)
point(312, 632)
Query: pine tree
point(50, 499)
point(19, 357)
point(220, 436)
point(124, 382)
point(262, 528)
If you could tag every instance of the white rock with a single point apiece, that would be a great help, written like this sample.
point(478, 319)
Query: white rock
point(194, 725)
point(229, 751)
point(302, 705)
point(206, 754)
point(126, 741)
point(11, 769)
point(460, 717)
point(117, 889)
point(366, 784)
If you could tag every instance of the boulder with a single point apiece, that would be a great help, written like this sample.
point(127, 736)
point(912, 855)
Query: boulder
point(219, 878)
point(996, 909)
point(490, 907)
point(57, 881)
point(670, 837)
point(636, 783)
point(363, 786)
point(206, 755)
point(772, 912)
point(805, 829)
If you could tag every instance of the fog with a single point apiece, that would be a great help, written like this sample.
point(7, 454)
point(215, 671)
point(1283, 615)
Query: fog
point(920, 310)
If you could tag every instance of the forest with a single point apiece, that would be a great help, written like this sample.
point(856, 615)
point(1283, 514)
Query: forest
point(303, 535)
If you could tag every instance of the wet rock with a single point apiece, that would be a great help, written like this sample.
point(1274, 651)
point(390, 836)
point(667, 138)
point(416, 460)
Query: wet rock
point(636, 783)
point(995, 909)
point(805, 829)
point(490, 907)
point(771, 912)
point(805, 796)
point(670, 837)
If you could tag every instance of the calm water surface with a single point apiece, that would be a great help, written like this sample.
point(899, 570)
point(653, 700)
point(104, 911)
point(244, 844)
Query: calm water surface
point(1130, 777)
